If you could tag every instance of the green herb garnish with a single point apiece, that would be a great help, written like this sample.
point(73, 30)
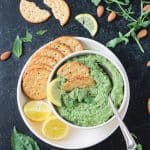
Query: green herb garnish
point(17, 47)
point(41, 32)
point(20, 141)
point(96, 2)
point(139, 147)
point(134, 25)
point(28, 37)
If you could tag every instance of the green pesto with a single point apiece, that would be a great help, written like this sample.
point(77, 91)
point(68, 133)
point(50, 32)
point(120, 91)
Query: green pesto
point(89, 106)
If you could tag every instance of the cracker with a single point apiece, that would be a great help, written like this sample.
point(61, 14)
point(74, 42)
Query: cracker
point(34, 84)
point(32, 13)
point(50, 52)
point(73, 43)
point(60, 10)
point(43, 60)
point(64, 49)
point(73, 69)
point(36, 66)
point(78, 82)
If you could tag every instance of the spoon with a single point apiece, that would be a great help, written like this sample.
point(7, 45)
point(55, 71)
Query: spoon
point(130, 142)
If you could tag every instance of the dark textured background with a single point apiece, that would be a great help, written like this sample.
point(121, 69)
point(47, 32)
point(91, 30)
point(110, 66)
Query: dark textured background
point(11, 24)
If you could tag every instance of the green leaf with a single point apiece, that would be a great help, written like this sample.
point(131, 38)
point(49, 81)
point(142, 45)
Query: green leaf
point(139, 147)
point(17, 47)
point(114, 42)
point(96, 2)
point(28, 37)
point(41, 32)
point(20, 141)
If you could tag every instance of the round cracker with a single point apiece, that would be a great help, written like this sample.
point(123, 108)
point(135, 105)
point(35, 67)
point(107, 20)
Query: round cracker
point(73, 43)
point(73, 69)
point(34, 84)
point(43, 60)
point(50, 52)
point(60, 9)
point(32, 13)
point(63, 48)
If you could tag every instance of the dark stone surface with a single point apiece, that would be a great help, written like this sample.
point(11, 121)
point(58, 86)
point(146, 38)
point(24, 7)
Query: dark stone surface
point(11, 24)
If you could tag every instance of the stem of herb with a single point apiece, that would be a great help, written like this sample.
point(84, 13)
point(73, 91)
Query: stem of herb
point(138, 43)
point(126, 13)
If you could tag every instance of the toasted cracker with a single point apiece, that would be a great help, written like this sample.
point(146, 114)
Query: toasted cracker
point(78, 82)
point(50, 52)
point(34, 84)
point(32, 13)
point(43, 60)
point(29, 68)
point(73, 69)
point(64, 49)
point(60, 9)
point(73, 43)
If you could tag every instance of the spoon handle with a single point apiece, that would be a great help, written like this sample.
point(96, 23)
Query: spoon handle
point(130, 142)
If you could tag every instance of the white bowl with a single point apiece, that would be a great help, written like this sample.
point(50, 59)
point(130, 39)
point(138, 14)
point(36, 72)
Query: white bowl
point(81, 53)
point(80, 138)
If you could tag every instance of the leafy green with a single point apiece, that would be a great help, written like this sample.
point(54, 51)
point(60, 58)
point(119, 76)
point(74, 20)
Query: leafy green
point(28, 37)
point(96, 2)
point(20, 141)
point(134, 25)
point(41, 32)
point(139, 147)
point(120, 2)
point(17, 47)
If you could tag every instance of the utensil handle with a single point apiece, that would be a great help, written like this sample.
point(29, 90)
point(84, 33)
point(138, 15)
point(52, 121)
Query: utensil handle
point(130, 142)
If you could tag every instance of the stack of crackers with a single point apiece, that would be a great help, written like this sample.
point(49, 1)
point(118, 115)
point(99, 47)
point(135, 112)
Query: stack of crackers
point(33, 14)
point(36, 73)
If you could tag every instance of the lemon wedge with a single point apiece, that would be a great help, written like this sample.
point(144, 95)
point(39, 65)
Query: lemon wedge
point(37, 110)
point(88, 22)
point(54, 129)
point(53, 92)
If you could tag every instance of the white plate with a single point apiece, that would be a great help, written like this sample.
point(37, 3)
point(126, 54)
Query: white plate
point(79, 138)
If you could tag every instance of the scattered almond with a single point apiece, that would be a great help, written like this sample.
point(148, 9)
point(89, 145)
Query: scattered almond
point(148, 64)
point(100, 10)
point(147, 8)
point(4, 56)
point(142, 33)
point(148, 105)
point(112, 16)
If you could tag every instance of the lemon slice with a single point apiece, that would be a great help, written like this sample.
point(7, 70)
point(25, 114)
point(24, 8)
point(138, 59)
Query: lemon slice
point(88, 22)
point(37, 110)
point(53, 92)
point(54, 129)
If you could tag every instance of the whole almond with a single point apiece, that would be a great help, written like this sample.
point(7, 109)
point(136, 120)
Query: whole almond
point(147, 8)
point(142, 33)
point(148, 105)
point(4, 56)
point(100, 11)
point(148, 64)
point(112, 16)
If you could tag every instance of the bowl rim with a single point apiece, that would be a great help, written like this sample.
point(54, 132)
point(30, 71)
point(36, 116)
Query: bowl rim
point(80, 53)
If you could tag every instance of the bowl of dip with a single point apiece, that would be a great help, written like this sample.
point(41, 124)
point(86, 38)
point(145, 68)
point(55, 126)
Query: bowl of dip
point(88, 107)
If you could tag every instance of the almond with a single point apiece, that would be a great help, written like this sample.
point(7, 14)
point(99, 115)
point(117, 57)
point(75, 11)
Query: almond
point(4, 56)
point(148, 64)
point(148, 105)
point(147, 8)
point(100, 11)
point(142, 33)
point(112, 16)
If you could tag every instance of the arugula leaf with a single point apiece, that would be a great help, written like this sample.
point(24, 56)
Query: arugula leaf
point(139, 147)
point(17, 47)
point(114, 42)
point(28, 37)
point(20, 141)
point(96, 2)
point(41, 32)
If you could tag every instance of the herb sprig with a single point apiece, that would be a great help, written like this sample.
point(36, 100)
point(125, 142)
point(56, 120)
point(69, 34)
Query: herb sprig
point(134, 25)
